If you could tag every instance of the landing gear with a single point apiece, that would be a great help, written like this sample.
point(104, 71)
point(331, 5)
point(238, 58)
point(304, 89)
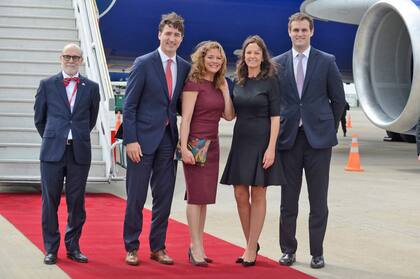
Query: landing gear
point(392, 136)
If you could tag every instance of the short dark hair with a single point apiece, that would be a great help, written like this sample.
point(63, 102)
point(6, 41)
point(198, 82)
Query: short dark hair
point(173, 20)
point(268, 68)
point(299, 17)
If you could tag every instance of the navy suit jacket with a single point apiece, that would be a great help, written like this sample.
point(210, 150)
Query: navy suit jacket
point(320, 106)
point(147, 106)
point(54, 120)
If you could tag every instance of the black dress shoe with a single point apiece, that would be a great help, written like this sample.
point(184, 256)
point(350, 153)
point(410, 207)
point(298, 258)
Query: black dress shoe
point(287, 259)
point(77, 256)
point(50, 258)
point(317, 262)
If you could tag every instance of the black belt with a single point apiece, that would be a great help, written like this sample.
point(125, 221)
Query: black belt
point(69, 142)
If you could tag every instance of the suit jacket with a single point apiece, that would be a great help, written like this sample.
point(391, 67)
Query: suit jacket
point(147, 106)
point(320, 106)
point(54, 120)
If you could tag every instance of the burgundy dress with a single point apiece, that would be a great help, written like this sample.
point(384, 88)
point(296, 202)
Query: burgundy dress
point(201, 181)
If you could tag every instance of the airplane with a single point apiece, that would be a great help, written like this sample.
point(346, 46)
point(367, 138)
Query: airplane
point(375, 42)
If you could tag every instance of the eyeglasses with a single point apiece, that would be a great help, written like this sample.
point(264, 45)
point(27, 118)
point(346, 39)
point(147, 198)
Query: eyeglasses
point(74, 57)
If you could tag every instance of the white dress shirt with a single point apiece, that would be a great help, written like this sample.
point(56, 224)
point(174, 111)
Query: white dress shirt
point(165, 59)
point(69, 91)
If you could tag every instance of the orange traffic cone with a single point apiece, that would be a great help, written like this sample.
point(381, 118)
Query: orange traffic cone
point(117, 121)
point(348, 123)
point(353, 164)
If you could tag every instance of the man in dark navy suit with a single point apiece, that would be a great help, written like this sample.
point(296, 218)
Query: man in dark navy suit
point(66, 108)
point(150, 133)
point(312, 101)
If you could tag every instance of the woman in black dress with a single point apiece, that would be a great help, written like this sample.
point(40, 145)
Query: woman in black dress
point(252, 164)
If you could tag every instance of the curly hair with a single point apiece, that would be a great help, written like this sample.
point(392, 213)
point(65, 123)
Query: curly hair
point(268, 68)
point(198, 69)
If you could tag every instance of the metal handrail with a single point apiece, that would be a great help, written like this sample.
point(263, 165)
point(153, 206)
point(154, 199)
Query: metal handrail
point(121, 160)
point(96, 68)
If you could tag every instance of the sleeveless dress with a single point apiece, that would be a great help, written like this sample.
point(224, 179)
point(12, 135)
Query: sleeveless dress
point(201, 181)
point(254, 103)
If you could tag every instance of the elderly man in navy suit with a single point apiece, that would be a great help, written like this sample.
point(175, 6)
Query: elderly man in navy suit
point(312, 101)
point(150, 133)
point(66, 108)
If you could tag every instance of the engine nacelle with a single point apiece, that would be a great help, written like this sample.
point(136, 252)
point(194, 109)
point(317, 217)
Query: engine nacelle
point(386, 64)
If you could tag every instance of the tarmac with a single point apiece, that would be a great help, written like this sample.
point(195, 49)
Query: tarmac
point(373, 227)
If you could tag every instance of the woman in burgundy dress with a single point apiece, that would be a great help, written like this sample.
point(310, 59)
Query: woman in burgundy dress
point(205, 100)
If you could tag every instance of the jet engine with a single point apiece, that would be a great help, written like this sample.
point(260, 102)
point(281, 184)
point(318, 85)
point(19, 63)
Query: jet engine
point(386, 64)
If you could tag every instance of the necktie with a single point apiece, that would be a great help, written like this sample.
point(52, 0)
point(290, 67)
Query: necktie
point(66, 82)
point(300, 76)
point(168, 75)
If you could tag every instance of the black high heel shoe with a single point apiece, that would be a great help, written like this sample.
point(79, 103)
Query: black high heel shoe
point(240, 260)
point(194, 262)
point(247, 264)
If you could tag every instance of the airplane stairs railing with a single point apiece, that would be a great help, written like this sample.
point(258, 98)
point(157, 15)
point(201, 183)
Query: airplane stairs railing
point(97, 70)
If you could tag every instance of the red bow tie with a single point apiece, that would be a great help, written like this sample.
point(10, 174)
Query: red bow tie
point(66, 81)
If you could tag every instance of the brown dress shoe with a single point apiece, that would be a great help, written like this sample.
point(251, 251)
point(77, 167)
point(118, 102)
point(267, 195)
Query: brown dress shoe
point(161, 257)
point(132, 258)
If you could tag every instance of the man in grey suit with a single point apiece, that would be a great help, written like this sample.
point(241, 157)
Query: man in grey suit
point(312, 101)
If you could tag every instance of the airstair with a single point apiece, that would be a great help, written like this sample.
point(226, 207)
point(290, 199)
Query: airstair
point(32, 34)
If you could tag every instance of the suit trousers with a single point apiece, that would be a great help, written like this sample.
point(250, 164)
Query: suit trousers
point(316, 163)
point(159, 169)
point(52, 177)
point(343, 121)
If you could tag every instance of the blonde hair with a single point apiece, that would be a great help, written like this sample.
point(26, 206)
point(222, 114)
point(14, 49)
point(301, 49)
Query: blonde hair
point(198, 69)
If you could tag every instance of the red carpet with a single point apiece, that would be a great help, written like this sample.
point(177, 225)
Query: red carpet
point(102, 242)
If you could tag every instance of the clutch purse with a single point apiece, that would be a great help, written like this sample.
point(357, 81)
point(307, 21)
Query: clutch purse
point(198, 147)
